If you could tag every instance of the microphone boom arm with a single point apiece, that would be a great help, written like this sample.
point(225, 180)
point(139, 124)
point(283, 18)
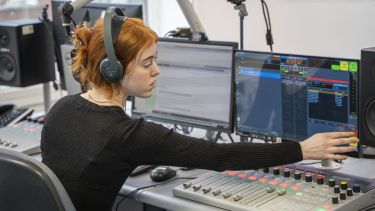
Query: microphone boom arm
point(198, 33)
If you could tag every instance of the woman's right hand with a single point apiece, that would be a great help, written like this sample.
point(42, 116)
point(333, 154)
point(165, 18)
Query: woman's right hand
point(323, 146)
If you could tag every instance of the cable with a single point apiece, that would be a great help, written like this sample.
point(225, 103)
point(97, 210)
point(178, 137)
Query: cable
point(145, 187)
point(170, 33)
point(267, 19)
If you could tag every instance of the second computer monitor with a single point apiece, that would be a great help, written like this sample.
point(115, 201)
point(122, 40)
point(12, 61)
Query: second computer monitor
point(195, 85)
point(292, 97)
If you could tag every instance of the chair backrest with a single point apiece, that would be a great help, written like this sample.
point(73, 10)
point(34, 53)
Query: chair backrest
point(28, 184)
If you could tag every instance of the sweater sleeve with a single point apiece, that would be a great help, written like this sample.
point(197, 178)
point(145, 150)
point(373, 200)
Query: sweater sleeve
point(154, 144)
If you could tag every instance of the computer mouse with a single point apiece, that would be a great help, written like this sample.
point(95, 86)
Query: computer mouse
point(162, 173)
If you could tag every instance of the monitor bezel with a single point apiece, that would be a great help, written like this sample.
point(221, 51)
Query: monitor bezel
point(231, 124)
point(249, 134)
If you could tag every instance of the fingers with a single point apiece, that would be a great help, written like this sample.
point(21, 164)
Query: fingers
point(344, 141)
point(337, 157)
point(341, 149)
point(339, 134)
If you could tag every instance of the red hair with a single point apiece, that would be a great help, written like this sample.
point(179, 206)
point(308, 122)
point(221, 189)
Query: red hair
point(133, 38)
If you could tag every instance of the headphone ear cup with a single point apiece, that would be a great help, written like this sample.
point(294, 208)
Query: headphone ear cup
point(120, 70)
point(111, 74)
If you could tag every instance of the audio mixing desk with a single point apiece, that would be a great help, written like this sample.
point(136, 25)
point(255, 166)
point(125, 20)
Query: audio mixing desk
point(286, 188)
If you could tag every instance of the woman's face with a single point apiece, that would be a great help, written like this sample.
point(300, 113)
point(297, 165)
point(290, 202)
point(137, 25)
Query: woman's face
point(140, 75)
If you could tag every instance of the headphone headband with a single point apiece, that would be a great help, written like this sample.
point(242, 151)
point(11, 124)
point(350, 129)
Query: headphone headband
point(111, 68)
point(113, 20)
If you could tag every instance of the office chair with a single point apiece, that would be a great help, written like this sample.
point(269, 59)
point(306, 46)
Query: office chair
point(28, 184)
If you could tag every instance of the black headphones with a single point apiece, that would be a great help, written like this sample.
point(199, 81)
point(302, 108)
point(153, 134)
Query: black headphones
point(111, 68)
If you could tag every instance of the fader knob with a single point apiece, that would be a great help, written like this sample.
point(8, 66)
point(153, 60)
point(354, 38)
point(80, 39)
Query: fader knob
point(187, 185)
point(270, 189)
point(197, 187)
point(335, 199)
point(349, 192)
point(297, 175)
point(281, 192)
point(237, 197)
point(227, 195)
point(216, 192)
point(206, 190)
point(356, 188)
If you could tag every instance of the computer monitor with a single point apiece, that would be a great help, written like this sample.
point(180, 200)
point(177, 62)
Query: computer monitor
point(195, 85)
point(291, 97)
point(96, 10)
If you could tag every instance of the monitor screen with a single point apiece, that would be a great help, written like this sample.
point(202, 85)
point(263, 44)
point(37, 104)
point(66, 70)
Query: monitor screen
point(96, 10)
point(195, 85)
point(291, 97)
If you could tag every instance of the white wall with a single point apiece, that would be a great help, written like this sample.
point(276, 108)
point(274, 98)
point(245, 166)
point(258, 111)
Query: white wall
point(336, 28)
point(164, 16)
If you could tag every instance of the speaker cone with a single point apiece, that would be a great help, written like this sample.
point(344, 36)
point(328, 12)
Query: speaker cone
point(370, 117)
point(7, 68)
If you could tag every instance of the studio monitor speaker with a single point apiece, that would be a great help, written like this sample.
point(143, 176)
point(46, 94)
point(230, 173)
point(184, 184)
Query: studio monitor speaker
point(26, 53)
point(367, 98)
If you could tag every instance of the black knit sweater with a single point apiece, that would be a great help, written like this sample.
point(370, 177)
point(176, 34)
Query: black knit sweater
point(92, 149)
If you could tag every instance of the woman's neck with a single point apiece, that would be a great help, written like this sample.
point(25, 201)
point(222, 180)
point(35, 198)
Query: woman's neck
point(102, 97)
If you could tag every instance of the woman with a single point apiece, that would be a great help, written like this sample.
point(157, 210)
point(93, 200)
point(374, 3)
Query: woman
point(92, 145)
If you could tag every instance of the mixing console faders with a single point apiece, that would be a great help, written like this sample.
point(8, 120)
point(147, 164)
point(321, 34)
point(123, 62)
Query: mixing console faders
point(290, 188)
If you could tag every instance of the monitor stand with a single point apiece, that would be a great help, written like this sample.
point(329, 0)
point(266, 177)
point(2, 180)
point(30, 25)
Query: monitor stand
point(211, 136)
point(328, 165)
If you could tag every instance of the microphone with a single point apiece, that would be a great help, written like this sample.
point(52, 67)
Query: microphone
point(66, 10)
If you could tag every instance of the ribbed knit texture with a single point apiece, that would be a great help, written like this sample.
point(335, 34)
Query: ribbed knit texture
point(93, 149)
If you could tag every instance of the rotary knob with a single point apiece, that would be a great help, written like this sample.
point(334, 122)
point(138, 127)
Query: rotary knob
point(308, 178)
point(343, 185)
point(286, 173)
point(331, 182)
point(276, 171)
point(342, 196)
point(336, 189)
point(349, 192)
point(335, 199)
point(356, 188)
point(297, 175)
point(320, 180)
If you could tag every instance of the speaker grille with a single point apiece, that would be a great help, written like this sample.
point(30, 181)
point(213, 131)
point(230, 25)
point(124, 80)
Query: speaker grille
point(7, 68)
